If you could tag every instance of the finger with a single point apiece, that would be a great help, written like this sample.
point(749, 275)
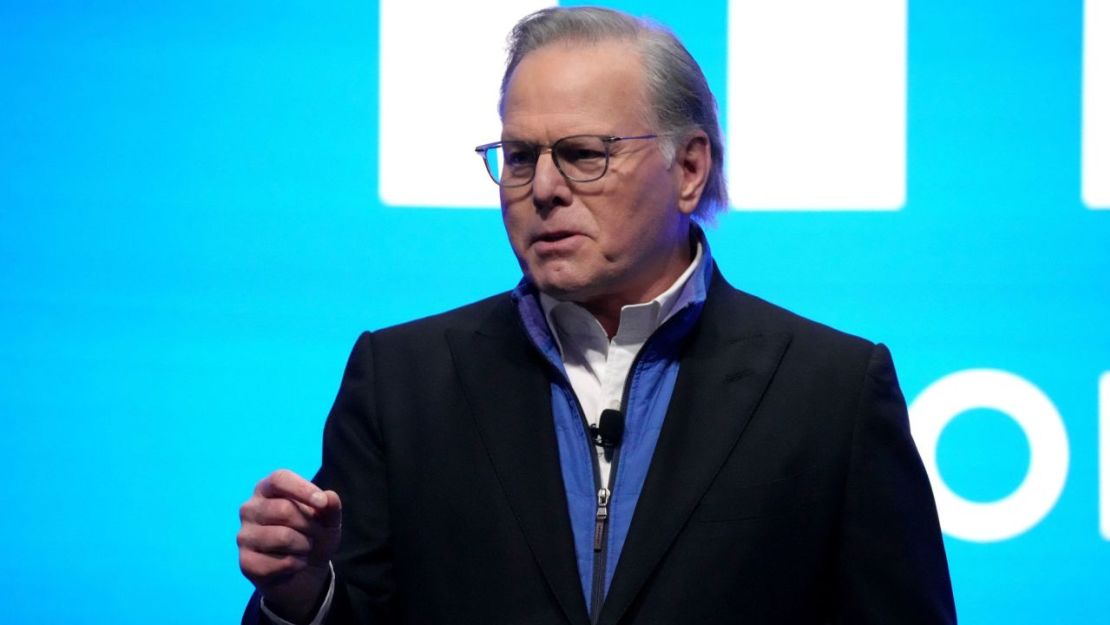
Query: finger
point(274, 540)
point(287, 484)
point(331, 514)
point(284, 512)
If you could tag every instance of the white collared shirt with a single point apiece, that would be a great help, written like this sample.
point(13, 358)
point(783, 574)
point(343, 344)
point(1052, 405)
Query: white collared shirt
point(598, 367)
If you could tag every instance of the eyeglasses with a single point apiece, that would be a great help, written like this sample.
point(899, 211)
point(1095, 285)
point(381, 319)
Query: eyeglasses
point(581, 158)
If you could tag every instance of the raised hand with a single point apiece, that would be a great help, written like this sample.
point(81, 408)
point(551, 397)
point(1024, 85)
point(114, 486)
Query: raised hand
point(289, 532)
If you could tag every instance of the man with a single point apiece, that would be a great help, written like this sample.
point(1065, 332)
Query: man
point(624, 438)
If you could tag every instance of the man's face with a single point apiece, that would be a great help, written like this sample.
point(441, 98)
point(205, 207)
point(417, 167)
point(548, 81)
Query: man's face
point(622, 238)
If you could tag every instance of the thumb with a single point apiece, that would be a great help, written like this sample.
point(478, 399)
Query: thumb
point(330, 515)
point(327, 523)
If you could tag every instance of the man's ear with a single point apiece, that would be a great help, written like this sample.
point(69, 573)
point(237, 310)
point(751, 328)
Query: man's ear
point(692, 160)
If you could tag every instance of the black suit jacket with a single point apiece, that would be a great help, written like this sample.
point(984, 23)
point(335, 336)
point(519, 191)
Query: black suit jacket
point(784, 488)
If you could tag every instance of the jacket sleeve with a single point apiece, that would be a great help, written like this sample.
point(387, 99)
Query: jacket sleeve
point(892, 565)
point(353, 464)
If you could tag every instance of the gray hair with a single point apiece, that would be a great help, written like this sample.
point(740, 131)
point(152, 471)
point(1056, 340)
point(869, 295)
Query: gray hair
point(677, 91)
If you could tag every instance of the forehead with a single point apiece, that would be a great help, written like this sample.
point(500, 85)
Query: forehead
point(575, 87)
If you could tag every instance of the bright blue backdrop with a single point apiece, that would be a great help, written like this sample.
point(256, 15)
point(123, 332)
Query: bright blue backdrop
point(191, 239)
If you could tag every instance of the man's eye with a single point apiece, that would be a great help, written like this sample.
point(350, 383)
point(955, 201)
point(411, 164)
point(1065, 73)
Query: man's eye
point(574, 154)
point(517, 156)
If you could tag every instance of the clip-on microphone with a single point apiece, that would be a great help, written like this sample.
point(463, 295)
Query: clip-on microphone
point(607, 433)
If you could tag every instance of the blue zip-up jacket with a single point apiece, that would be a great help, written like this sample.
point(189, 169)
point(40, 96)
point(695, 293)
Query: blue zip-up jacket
point(647, 394)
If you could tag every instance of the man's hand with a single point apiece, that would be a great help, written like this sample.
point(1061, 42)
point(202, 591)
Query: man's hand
point(288, 534)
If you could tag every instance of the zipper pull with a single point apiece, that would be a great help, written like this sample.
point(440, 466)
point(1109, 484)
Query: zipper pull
point(601, 518)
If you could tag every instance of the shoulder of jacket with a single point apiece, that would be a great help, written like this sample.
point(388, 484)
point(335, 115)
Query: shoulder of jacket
point(760, 316)
point(467, 317)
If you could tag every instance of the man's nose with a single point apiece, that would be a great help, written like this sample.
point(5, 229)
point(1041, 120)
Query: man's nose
point(549, 187)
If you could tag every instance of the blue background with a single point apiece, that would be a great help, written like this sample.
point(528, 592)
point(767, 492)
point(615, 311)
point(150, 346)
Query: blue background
point(191, 239)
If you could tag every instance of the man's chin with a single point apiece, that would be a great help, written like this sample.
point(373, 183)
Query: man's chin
point(559, 278)
point(563, 288)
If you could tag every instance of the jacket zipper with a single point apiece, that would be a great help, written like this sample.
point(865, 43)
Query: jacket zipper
point(605, 492)
point(601, 517)
point(601, 524)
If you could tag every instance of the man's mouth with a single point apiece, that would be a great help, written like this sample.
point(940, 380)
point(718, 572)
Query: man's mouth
point(557, 242)
point(552, 237)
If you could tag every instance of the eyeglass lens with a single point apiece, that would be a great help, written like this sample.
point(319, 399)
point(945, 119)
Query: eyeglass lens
point(580, 158)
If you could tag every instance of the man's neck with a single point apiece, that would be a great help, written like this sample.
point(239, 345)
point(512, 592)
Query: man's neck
point(607, 310)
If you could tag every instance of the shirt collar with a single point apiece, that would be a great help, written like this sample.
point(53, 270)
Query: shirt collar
point(638, 321)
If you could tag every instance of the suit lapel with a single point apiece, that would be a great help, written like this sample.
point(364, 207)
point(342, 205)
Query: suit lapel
point(505, 381)
point(723, 373)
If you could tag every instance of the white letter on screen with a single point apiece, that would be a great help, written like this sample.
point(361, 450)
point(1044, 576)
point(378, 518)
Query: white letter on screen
point(1096, 104)
point(1038, 418)
point(440, 72)
point(817, 104)
point(1104, 454)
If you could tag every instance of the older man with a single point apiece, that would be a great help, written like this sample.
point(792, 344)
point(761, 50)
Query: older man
point(624, 438)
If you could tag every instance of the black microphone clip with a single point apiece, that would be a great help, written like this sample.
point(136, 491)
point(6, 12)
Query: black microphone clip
point(609, 430)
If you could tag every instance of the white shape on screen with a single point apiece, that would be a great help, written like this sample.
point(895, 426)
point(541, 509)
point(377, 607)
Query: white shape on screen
point(1096, 104)
point(817, 104)
point(1038, 418)
point(440, 72)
